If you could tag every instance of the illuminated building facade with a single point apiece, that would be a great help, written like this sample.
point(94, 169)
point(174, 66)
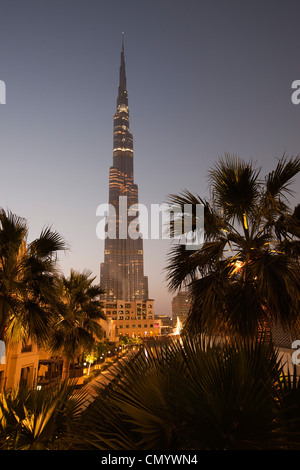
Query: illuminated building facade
point(133, 319)
point(122, 272)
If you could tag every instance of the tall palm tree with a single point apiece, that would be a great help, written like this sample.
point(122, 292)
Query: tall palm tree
point(246, 274)
point(77, 327)
point(28, 274)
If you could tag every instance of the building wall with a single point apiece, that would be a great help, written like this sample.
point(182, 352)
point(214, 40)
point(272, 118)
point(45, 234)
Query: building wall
point(21, 366)
point(109, 329)
point(133, 319)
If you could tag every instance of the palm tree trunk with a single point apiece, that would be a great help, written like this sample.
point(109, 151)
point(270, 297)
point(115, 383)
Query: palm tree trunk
point(66, 369)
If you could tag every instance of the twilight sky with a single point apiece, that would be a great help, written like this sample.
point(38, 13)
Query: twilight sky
point(203, 77)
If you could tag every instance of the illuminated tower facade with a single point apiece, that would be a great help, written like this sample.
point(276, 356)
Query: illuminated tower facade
point(122, 272)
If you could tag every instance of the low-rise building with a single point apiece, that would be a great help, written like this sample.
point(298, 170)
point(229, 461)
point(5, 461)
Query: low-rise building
point(132, 318)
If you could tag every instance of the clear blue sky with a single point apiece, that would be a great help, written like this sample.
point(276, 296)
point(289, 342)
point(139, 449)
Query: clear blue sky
point(203, 77)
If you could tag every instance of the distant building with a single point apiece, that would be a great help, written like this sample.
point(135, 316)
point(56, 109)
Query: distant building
point(180, 307)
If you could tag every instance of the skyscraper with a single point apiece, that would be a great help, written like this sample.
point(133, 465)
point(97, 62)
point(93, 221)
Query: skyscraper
point(122, 272)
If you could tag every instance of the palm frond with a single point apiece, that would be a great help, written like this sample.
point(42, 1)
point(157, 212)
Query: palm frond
point(48, 244)
point(234, 185)
point(14, 229)
point(182, 268)
point(279, 180)
point(195, 393)
point(39, 419)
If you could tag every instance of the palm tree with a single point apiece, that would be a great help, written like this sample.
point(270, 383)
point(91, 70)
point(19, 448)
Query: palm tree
point(246, 274)
point(77, 328)
point(28, 273)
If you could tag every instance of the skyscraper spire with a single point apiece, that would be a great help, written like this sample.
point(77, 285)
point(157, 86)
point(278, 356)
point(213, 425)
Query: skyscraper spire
point(122, 95)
